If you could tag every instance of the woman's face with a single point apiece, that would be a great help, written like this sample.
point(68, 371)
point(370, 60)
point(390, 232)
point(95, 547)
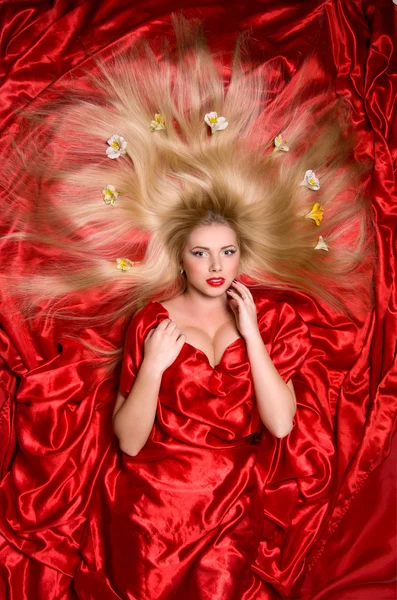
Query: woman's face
point(211, 258)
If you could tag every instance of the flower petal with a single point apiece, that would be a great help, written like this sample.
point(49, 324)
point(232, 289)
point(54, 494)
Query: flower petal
point(280, 144)
point(117, 146)
point(221, 124)
point(124, 264)
point(311, 181)
point(109, 194)
point(316, 213)
point(158, 123)
point(211, 118)
point(321, 244)
point(216, 123)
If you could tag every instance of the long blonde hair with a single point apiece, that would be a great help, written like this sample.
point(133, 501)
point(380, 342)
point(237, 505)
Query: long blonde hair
point(175, 179)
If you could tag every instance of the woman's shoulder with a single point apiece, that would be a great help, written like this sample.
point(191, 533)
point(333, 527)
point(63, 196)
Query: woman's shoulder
point(142, 311)
point(145, 318)
point(151, 310)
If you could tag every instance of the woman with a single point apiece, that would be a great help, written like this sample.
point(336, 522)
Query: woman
point(186, 494)
point(210, 270)
point(196, 183)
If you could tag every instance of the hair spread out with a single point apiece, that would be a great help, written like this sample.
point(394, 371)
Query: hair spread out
point(175, 179)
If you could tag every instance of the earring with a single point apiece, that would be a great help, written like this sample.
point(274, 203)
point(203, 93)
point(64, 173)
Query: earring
point(181, 271)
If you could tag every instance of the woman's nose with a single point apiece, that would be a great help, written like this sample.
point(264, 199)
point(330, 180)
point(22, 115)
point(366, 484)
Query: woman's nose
point(216, 264)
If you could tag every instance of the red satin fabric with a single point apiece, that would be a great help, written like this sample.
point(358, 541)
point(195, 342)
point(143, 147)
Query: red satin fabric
point(56, 400)
point(193, 520)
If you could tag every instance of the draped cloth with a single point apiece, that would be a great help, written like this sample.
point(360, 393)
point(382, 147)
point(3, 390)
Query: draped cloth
point(56, 400)
point(187, 511)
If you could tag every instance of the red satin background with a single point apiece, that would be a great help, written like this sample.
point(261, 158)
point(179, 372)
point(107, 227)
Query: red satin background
point(56, 409)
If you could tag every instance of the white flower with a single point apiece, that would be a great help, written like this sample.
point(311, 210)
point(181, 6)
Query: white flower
point(109, 194)
point(158, 123)
point(311, 181)
point(321, 244)
point(124, 264)
point(280, 144)
point(216, 123)
point(117, 147)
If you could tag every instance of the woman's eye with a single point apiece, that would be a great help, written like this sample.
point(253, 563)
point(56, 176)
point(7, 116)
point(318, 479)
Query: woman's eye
point(202, 253)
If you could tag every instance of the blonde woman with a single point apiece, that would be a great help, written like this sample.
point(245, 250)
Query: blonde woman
point(212, 204)
point(198, 388)
point(214, 313)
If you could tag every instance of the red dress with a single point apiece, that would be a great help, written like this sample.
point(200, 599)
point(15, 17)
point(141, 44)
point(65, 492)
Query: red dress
point(184, 518)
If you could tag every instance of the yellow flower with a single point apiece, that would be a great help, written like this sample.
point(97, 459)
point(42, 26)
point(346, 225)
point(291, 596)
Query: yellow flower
point(321, 244)
point(280, 144)
point(109, 194)
point(316, 213)
point(158, 123)
point(124, 264)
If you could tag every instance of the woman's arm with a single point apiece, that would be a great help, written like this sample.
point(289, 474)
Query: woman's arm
point(275, 399)
point(133, 417)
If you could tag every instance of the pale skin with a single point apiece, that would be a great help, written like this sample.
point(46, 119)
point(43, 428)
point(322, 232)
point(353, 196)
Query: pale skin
point(228, 312)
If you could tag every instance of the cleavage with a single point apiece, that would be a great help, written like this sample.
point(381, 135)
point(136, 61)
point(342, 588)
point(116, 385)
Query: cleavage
point(215, 348)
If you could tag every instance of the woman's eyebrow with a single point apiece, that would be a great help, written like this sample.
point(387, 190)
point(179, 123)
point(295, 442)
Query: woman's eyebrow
point(204, 248)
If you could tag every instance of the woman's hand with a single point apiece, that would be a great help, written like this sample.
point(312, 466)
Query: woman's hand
point(162, 345)
point(244, 309)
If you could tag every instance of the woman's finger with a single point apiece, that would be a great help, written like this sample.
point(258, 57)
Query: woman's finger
point(236, 297)
point(239, 290)
point(243, 289)
point(181, 340)
point(164, 323)
point(171, 327)
point(239, 286)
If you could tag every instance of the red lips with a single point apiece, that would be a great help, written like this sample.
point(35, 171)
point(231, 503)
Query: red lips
point(216, 281)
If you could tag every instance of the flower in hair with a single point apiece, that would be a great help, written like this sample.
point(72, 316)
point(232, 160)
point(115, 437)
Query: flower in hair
point(321, 244)
point(124, 264)
point(216, 123)
point(280, 144)
point(117, 146)
point(316, 213)
point(311, 181)
point(158, 123)
point(109, 194)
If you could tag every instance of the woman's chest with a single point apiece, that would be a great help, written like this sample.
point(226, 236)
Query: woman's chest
point(214, 344)
point(211, 336)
